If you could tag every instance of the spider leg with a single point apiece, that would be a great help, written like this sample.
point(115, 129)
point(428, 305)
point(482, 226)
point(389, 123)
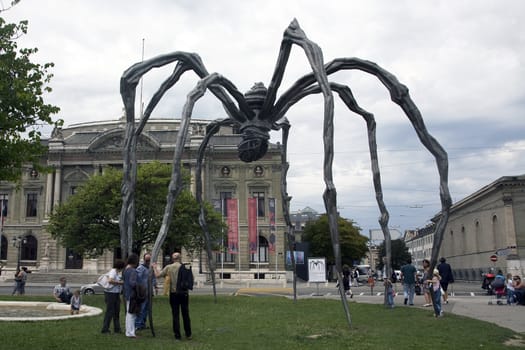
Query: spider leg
point(129, 81)
point(347, 97)
point(211, 130)
point(290, 237)
point(399, 95)
point(175, 186)
point(295, 35)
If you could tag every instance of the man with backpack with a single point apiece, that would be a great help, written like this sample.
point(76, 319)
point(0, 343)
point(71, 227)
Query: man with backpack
point(181, 281)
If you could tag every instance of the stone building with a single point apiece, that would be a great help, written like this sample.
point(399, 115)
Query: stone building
point(489, 222)
point(83, 150)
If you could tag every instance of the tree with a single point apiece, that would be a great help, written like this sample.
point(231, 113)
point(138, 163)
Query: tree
point(353, 244)
point(400, 254)
point(88, 221)
point(22, 107)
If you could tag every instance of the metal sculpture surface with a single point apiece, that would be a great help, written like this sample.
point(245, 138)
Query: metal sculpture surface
point(255, 114)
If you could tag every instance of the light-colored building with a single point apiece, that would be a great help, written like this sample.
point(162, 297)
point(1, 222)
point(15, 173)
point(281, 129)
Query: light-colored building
point(419, 243)
point(488, 223)
point(84, 150)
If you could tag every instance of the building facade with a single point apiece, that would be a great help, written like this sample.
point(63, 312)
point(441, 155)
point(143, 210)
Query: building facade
point(485, 226)
point(87, 149)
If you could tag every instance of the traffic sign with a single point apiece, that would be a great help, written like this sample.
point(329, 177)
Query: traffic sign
point(494, 258)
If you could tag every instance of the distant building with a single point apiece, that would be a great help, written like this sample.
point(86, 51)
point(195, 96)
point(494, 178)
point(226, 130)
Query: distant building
point(300, 218)
point(87, 149)
point(419, 243)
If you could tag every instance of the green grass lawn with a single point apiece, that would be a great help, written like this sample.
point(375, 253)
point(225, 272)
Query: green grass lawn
point(240, 322)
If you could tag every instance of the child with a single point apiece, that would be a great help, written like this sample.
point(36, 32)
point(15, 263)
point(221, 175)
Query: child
point(435, 284)
point(75, 302)
point(389, 290)
point(510, 290)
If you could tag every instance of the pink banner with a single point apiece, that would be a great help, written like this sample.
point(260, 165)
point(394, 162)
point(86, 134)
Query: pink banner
point(271, 205)
point(252, 225)
point(233, 226)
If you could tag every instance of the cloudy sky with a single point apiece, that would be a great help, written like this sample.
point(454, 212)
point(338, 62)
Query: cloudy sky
point(463, 61)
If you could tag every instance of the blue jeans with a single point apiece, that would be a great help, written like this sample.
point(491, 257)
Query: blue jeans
point(140, 322)
point(409, 290)
point(436, 301)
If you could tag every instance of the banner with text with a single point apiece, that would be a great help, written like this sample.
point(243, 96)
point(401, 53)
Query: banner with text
point(271, 211)
point(233, 225)
point(252, 225)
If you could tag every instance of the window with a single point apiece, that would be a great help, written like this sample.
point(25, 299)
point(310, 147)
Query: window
point(73, 190)
point(29, 248)
point(32, 200)
point(260, 203)
point(4, 200)
point(224, 197)
point(263, 251)
point(3, 250)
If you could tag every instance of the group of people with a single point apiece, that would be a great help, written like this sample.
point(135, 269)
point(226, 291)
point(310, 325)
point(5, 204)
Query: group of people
point(434, 284)
point(510, 286)
point(131, 280)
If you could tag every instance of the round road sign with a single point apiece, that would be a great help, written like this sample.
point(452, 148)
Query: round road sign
point(494, 258)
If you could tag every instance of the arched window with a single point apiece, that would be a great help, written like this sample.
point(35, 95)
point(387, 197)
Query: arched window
point(3, 250)
point(29, 248)
point(263, 249)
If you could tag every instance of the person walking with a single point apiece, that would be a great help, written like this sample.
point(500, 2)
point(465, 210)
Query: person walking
point(347, 284)
point(408, 276)
point(143, 274)
point(112, 297)
point(23, 279)
point(130, 284)
point(179, 300)
point(445, 271)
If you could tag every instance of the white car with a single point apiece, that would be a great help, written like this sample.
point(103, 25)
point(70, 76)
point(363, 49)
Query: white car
point(92, 288)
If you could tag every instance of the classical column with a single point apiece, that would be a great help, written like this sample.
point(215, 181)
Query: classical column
point(49, 195)
point(58, 186)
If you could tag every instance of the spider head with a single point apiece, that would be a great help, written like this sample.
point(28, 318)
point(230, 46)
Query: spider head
point(254, 144)
point(255, 132)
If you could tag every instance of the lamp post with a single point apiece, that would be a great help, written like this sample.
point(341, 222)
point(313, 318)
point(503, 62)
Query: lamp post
point(17, 243)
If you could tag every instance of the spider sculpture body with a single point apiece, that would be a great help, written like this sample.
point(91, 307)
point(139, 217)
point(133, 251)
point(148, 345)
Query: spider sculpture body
point(255, 114)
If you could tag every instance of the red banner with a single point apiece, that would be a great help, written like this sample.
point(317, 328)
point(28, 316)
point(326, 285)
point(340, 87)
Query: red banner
point(252, 225)
point(233, 226)
point(271, 205)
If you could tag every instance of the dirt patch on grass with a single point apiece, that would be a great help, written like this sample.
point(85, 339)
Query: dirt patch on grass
point(517, 341)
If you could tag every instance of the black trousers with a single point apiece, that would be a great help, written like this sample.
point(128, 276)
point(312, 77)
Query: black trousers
point(112, 311)
point(180, 301)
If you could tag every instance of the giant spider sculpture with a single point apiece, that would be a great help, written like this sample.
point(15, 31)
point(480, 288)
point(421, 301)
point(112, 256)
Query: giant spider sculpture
point(255, 114)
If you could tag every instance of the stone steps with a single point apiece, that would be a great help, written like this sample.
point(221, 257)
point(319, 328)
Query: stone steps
point(54, 277)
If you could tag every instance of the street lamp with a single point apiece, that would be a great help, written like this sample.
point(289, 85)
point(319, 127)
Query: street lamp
point(17, 243)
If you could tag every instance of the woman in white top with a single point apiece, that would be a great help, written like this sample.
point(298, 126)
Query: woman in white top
point(112, 297)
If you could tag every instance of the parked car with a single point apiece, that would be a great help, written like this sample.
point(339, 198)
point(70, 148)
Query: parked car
point(92, 288)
